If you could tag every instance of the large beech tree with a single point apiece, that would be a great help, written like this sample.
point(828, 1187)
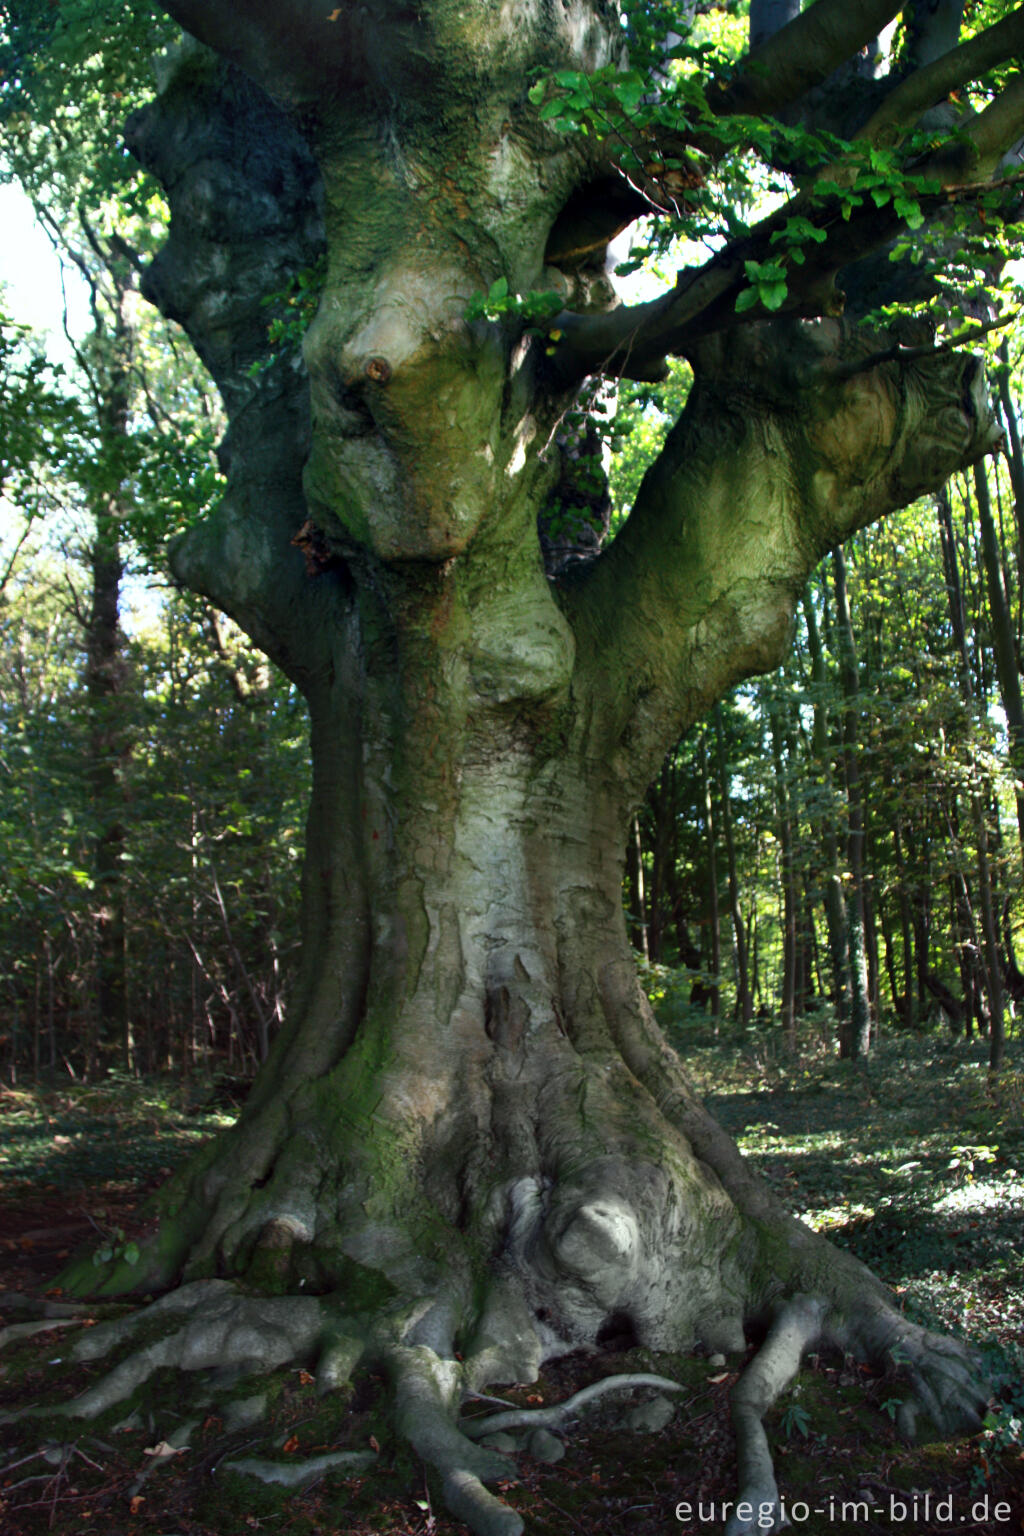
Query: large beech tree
point(471, 1148)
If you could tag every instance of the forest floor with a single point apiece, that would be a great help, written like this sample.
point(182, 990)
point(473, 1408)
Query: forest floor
point(913, 1160)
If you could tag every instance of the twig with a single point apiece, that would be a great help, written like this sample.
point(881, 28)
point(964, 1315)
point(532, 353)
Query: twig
point(563, 1512)
point(899, 354)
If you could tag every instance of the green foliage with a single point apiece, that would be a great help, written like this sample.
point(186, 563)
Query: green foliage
point(292, 310)
point(965, 1159)
point(115, 1246)
point(768, 286)
point(796, 1421)
point(643, 416)
point(53, 73)
point(498, 303)
point(745, 163)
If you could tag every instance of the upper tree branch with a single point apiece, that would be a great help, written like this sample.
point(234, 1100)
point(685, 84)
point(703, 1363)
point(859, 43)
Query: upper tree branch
point(800, 55)
point(931, 84)
point(784, 449)
point(982, 141)
point(632, 340)
point(299, 51)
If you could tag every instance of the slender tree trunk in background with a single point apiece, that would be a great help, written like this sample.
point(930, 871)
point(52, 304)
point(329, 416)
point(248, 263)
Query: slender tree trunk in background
point(966, 939)
point(889, 961)
point(912, 1000)
point(1004, 641)
point(871, 941)
point(1014, 455)
point(714, 923)
point(835, 901)
point(635, 886)
point(989, 957)
point(858, 1039)
point(922, 939)
point(661, 804)
point(993, 962)
point(784, 829)
point(104, 678)
point(744, 1001)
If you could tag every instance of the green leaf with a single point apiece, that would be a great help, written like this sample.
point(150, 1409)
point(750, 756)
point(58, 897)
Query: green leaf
point(537, 92)
point(498, 289)
point(772, 295)
point(909, 211)
point(765, 271)
point(746, 300)
point(629, 90)
point(551, 109)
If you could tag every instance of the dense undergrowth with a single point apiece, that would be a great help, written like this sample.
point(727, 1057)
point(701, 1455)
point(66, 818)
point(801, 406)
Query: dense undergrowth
point(913, 1159)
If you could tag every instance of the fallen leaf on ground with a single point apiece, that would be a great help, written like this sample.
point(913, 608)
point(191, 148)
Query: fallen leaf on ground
point(162, 1450)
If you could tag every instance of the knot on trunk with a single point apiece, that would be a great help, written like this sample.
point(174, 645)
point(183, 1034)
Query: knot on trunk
point(599, 1244)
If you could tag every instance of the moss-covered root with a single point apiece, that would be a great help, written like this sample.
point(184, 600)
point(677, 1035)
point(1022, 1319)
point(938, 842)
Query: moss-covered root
point(796, 1328)
point(216, 1327)
point(427, 1391)
point(944, 1376)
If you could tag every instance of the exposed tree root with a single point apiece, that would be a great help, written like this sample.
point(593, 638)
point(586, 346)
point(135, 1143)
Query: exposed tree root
point(943, 1375)
point(560, 1413)
point(299, 1474)
point(211, 1326)
point(44, 1315)
point(796, 1328)
point(16, 1331)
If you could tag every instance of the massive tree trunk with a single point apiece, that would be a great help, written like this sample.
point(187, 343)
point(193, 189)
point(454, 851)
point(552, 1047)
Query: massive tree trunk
point(471, 1147)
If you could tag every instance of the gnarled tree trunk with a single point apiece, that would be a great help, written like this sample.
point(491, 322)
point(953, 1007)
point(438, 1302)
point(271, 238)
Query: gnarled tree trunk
point(471, 1143)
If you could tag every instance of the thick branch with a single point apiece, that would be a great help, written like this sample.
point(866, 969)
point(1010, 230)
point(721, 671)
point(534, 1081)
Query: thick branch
point(774, 461)
point(983, 140)
point(631, 341)
point(931, 84)
point(295, 49)
point(801, 55)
